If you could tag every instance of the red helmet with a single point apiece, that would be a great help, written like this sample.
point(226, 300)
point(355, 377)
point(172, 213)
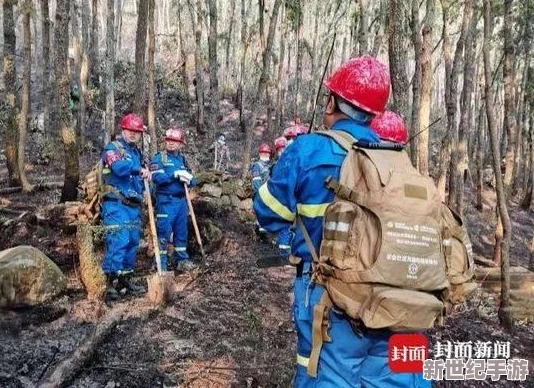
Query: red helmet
point(390, 126)
point(291, 132)
point(363, 82)
point(280, 143)
point(303, 129)
point(132, 122)
point(175, 134)
point(264, 148)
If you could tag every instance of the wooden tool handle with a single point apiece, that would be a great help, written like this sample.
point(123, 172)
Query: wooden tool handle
point(152, 224)
point(194, 219)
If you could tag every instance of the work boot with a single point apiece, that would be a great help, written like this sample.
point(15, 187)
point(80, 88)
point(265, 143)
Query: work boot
point(111, 291)
point(185, 265)
point(126, 282)
point(261, 233)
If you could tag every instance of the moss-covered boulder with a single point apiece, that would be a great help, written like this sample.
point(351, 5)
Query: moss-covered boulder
point(28, 277)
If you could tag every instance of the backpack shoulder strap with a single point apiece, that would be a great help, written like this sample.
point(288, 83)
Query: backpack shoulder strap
point(164, 157)
point(345, 140)
point(120, 147)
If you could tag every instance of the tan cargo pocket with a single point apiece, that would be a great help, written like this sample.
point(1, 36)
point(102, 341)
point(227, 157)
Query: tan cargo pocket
point(351, 237)
point(401, 310)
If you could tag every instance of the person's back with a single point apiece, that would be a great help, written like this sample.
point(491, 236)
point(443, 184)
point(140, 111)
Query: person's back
point(353, 357)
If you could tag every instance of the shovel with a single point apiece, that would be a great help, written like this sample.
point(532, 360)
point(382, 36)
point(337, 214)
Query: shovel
point(160, 282)
point(194, 219)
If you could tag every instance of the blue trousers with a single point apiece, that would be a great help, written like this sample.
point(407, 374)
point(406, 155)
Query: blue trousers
point(349, 360)
point(122, 234)
point(171, 217)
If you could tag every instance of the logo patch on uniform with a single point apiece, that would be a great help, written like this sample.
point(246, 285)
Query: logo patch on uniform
point(112, 156)
point(153, 166)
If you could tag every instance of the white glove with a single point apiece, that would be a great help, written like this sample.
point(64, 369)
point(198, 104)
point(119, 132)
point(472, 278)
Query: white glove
point(184, 176)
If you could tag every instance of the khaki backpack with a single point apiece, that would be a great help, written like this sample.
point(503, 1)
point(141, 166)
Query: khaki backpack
point(392, 255)
point(94, 187)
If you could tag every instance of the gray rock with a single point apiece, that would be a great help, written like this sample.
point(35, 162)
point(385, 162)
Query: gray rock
point(236, 202)
point(28, 277)
point(211, 190)
point(225, 201)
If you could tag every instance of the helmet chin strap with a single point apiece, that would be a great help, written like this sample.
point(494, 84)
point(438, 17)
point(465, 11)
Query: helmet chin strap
point(353, 112)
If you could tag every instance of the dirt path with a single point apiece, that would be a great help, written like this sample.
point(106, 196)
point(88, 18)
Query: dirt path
point(231, 326)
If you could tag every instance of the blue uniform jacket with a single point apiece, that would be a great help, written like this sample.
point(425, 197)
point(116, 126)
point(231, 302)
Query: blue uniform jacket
point(163, 174)
point(122, 165)
point(297, 185)
point(260, 173)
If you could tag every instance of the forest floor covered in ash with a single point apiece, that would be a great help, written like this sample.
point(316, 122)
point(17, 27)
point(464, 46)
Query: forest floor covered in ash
point(230, 324)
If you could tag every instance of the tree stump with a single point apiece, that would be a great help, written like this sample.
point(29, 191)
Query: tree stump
point(93, 277)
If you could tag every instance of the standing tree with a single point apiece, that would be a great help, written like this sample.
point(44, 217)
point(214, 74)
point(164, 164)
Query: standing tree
point(94, 62)
point(110, 71)
point(426, 86)
point(76, 71)
point(504, 310)
point(61, 32)
point(214, 67)
point(196, 19)
point(242, 68)
point(45, 18)
point(140, 48)
point(398, 60)
point(228, 72)
point(262, 85)
point(151, 88)
point(10, 82)
point(448, 159)
point(417, 42)
point(465, 109)
point(27, 8)
point(84, 64)
point(508, 73)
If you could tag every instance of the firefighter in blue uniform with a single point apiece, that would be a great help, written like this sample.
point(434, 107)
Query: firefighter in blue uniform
point(123, 190)
point(358, 90)
point(260, 171)
point(285, 235)
point(170, 175)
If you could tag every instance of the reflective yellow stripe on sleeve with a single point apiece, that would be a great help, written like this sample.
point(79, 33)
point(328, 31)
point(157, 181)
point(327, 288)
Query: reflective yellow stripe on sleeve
point(274, 204)
point(304, 361)
point(312, 210)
